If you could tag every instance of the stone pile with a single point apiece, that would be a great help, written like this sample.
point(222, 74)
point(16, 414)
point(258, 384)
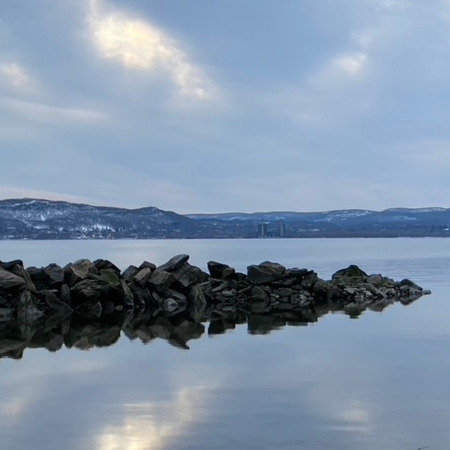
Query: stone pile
point(85, 292)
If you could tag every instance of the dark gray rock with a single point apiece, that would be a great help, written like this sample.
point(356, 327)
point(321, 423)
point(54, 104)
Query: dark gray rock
point(11, 266)
point(111, 277)
point(79, 271)
point(351, 271)
point(129, 297)
point(65, 294)
point(104, 264)
point(296, 273)
point(54, 275)
point(148, 265)
point(161, 280)
point(130, 273)
point(91, 290)
point(29, 282)
point(38, 278)
point(173, 263)
point(187, 275)
point(143, 276)
point(265, 273)
point(220, 271)
point(8, 280)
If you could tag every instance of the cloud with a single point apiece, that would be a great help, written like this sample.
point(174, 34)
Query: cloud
point(352, 64)
point(16, 76)
point(139, 45)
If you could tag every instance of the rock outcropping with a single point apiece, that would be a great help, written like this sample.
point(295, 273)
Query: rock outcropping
point(58, 305)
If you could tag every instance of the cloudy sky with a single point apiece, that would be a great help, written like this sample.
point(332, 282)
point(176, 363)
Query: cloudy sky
point(207, 106)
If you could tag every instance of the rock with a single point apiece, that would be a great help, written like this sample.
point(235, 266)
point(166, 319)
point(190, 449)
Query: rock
point(78, 271)
point(266, 272)
point(91, 290)
point(148, 265)
point(410, 284)
point(351, 271)
point(104, 264)
point(38, 278)
point(296, 273)
point(309, 280)
point(11, 266)
point(129, 297)
point(141, 295)
point(161, 280)
point(173, 263)
point(220, 271)
point(54, 275)
point(143, 276)
point(8, 280)
point(259, 295)
point(111, 277)
point(322, 289)
point(65, 294)
point(29, 282)
point(187, 275)
point(130, 273)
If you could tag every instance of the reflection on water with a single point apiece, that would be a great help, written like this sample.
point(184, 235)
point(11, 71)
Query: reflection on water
point(177, 330)
point(378, 382)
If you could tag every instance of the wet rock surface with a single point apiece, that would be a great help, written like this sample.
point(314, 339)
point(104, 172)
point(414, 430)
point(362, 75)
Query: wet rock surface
point(87, 304)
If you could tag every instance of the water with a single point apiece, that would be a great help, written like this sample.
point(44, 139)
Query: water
point(379, 382)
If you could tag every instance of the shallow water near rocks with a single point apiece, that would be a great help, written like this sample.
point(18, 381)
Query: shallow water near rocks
point(378, 382)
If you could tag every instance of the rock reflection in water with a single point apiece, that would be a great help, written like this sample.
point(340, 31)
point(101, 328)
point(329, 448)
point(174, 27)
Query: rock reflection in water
point(177, 330)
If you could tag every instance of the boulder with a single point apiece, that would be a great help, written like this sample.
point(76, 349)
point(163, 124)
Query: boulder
point(54, 275)
point(174, 263)
point(130, 273)
point(11, 266)
point(38, 277)
point(148, 265)
point(143, 276)
point(9, 281)
point(104, 264)
point(161, 280)
point(220, 271)
point(91, 290)
point(351, 271)
point(265, 273)
point(78, 271)
point(111, 277)
point(187, 275)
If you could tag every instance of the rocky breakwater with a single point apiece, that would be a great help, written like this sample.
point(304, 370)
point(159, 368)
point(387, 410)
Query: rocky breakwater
point(176, 298)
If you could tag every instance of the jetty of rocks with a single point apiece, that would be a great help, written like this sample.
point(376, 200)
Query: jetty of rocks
point(55, 304)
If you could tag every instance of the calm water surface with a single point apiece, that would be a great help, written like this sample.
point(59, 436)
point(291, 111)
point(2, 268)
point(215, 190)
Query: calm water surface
point(381, 382)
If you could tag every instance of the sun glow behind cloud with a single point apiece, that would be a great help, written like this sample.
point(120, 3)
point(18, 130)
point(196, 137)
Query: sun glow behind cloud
point(139, 45)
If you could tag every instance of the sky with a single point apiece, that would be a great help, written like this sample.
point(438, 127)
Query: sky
point(207, 106)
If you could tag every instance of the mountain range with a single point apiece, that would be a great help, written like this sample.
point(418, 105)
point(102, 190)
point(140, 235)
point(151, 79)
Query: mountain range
point(44, 219)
